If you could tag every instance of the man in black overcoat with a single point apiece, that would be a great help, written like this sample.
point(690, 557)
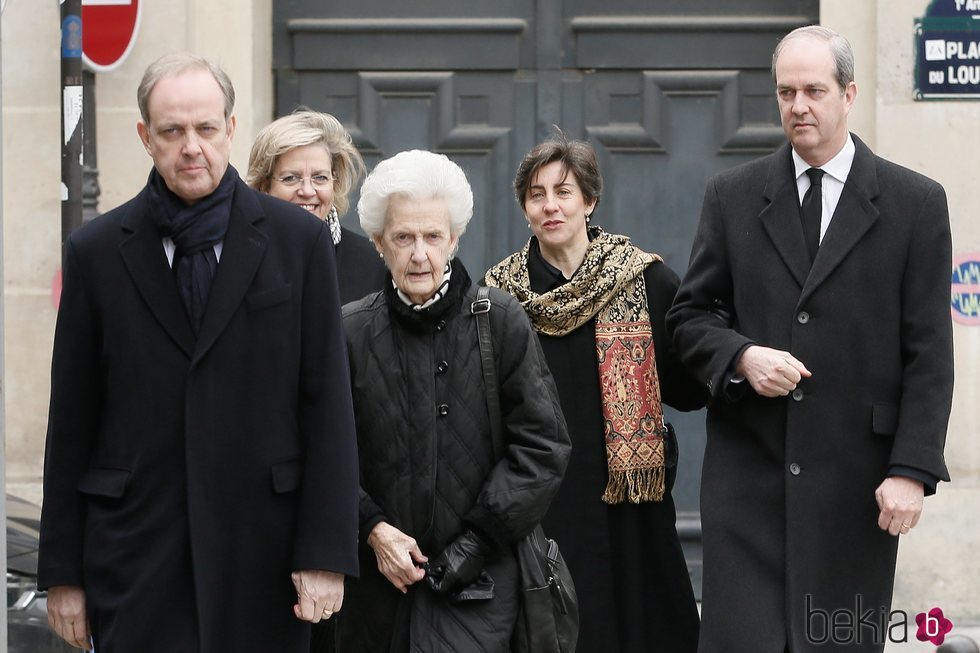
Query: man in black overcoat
point(200, 481)
point(816, 309)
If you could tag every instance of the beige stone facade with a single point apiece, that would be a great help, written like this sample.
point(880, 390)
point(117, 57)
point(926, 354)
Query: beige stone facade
point(236, 34)
point(937, 562)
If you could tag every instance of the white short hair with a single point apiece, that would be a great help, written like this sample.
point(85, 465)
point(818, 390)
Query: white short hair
point(419, 175)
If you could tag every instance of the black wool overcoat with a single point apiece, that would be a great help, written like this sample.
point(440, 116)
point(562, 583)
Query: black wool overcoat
point(186, 477)
point(788, 489)
point(360, 272)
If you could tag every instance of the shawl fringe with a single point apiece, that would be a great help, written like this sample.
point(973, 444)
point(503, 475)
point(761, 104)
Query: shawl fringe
point(635, 486)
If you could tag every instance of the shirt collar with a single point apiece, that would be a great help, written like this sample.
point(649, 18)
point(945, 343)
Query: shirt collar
point(838, 167)
point(551, 276)
point(436, 296)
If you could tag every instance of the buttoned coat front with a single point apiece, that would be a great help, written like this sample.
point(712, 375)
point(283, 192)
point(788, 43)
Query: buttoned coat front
point(428, 463)
point(186, 477)
point(788, 489)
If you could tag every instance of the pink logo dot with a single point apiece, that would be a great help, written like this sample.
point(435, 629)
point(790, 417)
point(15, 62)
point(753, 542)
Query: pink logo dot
point(933, 627)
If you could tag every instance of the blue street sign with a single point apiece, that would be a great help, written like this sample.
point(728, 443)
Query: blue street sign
point(947, 51)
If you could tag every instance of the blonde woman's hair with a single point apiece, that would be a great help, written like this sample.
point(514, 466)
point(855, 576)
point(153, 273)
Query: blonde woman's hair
point(298, 129)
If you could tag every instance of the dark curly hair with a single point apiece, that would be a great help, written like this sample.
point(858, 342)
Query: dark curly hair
point(577, 157)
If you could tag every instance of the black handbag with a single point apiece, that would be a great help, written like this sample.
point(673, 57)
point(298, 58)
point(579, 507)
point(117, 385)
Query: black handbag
point(547, 620)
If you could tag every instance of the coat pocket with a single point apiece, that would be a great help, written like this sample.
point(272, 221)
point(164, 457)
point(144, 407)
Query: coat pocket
point(884, 419)
point(287, 475)
point(104, 482)
point(265, 298)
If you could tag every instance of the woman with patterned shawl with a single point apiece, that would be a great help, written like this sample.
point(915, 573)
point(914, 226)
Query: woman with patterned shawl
point(598, 305)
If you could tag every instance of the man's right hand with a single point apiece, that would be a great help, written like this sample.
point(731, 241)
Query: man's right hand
point(770, 372)
point(66, 615)
point(397, 554)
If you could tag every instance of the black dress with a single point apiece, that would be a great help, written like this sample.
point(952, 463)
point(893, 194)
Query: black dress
point(634, 591)
point(359, 268)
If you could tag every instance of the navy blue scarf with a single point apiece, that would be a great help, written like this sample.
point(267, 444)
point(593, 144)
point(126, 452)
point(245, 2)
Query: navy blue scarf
point(195, 230)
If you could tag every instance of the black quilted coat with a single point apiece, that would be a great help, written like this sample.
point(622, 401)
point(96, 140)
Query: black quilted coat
point(427, 464)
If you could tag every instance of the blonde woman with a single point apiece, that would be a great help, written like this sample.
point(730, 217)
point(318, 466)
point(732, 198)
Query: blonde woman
point(307, 158)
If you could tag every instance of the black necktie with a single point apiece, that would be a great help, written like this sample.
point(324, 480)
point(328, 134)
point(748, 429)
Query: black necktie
point(812, 212)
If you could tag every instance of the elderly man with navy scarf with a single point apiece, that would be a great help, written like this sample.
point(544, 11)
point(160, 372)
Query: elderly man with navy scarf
point(200, 477)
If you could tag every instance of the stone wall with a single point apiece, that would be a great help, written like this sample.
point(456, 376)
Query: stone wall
point(937, 562)
point(237, 34)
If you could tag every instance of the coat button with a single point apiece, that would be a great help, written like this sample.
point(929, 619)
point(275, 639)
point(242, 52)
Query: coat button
point(442, 367)
point(443, 410)
point(797, 395)
point(440, 325)
point(794, 469)
point(803, 317)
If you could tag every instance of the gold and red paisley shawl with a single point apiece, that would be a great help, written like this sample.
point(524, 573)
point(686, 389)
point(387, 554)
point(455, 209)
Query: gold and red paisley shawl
point(609, 286)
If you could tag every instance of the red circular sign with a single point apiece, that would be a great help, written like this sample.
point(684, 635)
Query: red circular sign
point(108, 31)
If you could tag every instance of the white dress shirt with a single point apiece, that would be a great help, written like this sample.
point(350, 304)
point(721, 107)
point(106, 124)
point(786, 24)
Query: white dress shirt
point(832, 184)
point(170, 248)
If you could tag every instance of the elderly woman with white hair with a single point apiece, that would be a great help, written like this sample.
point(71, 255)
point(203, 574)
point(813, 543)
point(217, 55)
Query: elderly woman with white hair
point(439, 512)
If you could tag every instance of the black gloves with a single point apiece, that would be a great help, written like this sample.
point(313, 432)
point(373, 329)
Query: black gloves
point(459, 564)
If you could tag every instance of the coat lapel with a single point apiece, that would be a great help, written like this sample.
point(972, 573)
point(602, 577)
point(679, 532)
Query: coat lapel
point(142, 253)
point(853, 217)
point(242, 251)
point(781, 217)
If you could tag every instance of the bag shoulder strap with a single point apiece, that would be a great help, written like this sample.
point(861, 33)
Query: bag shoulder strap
point(481, 311)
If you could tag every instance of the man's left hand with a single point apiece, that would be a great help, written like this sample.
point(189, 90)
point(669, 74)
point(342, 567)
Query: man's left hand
point(319, 594)
point(900, 501)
